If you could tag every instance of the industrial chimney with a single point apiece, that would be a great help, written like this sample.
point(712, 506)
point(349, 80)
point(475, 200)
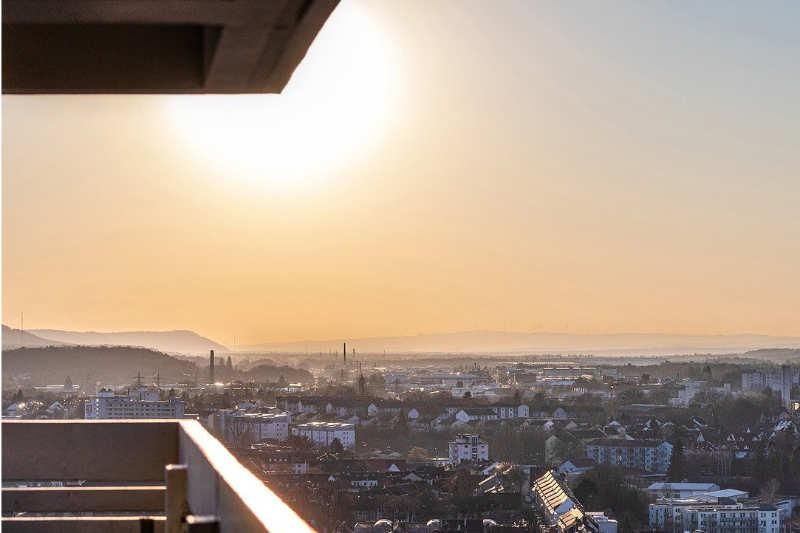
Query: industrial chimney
point(344, 353)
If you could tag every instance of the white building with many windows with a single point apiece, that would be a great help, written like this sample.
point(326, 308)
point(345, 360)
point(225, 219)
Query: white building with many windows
point(240, 427)
point(647, 455)
point(468, 448)
point(692, 515)
point(324, 433)
point(140, 402)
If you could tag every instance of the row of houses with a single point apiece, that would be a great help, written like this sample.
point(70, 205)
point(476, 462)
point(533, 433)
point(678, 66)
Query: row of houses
point(558, 508)
point(365, 408)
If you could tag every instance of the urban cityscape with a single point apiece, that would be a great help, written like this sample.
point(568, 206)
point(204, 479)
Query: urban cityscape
point(376, 442)
point(400, 266)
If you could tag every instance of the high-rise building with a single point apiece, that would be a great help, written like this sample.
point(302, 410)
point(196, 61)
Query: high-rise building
point(781, 381)
point(140, 402)
point(787, 380)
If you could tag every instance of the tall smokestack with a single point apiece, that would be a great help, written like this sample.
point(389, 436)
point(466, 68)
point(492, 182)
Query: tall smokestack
point(344, 352)
point(211, 367)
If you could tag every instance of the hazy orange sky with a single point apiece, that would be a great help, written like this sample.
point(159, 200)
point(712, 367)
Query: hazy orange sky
point(433, 166)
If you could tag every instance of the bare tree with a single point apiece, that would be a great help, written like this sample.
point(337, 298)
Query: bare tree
point(769, 490)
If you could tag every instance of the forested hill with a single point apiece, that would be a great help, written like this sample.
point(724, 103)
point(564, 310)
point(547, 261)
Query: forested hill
point(267, 373)
point(113, 365)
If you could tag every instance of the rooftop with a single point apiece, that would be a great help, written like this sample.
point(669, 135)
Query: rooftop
point(700, 487)
point(625, 443)
point(325, 425)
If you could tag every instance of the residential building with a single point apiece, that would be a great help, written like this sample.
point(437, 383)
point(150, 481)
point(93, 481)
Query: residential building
point(255, 427)
point(468, 448)
point(558, 508)
point(692, 514)
point(476, 414)
point(324, 433)
point(511, 411)
point(780, 380)
point(140, 402)
point(646, 455)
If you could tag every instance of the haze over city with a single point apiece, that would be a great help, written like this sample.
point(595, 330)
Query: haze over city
point(626, 168)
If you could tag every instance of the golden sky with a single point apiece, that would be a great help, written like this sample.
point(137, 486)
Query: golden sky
point(432, 166)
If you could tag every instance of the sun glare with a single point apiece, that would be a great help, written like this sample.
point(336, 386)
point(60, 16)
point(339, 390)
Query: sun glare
point(332, 109)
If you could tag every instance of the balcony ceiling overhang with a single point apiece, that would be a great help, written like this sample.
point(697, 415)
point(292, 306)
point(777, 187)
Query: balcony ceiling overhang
point(156, 46)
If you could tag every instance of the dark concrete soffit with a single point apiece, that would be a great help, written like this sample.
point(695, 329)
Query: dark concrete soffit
point(156, 46)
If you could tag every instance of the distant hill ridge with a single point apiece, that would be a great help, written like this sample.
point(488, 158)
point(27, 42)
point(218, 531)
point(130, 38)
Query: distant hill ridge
point(541, 342)
point(15, 338)
point(88, 365)
point(177, 341)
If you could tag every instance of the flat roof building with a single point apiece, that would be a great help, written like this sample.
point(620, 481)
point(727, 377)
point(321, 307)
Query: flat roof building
point(140, 402)
point(324, 433)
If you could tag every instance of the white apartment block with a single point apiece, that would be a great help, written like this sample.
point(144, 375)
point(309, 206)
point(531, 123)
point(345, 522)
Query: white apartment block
point(255, 427)
point(324, 433)
point(141, 402)
point(691, 515)
point(647, 455)
point(468, 448)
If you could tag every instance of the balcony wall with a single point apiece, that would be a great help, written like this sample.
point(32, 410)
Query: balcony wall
point(122, 464)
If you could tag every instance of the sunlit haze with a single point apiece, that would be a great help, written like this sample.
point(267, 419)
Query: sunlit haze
point(431, 167)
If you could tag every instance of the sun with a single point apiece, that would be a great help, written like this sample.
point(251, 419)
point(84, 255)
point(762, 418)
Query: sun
point(335, 106)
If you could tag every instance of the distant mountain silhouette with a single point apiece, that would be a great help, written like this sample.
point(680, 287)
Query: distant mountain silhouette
point(511, 342)
point(178, 341)
point(87, 365)
point(12, 339)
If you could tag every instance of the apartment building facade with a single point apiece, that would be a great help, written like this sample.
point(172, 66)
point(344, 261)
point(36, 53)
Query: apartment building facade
point(647, 455)
point(324, 433)
point(138, 403)
point(467, 448)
